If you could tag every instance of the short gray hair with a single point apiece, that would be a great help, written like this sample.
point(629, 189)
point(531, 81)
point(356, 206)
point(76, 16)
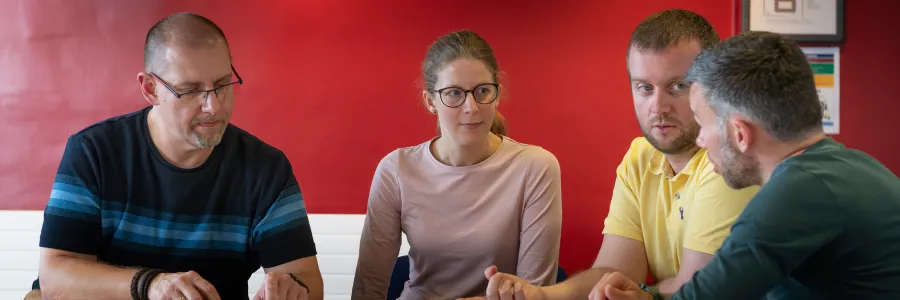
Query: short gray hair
point(182, 27)
point(763, 76)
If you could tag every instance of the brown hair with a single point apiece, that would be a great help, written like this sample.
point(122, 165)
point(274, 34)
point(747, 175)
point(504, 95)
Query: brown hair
point(669, 27)
point(456, 45)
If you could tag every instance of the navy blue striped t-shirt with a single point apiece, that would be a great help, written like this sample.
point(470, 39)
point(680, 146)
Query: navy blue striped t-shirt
point(117, 198)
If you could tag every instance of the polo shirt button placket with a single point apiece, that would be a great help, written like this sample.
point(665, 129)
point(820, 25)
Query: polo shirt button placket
point(680, 208)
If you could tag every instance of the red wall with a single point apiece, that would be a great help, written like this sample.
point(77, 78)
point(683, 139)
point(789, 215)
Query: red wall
point(334, 85)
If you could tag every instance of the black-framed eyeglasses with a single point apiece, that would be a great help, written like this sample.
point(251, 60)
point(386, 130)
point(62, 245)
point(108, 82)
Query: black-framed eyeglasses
point(220, 90)
point(484, 93)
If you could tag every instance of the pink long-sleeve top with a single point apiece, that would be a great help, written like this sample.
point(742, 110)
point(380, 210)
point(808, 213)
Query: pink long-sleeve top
point(505, 211)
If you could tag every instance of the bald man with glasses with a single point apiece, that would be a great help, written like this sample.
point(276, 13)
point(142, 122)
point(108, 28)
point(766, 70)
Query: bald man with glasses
point(171, 201)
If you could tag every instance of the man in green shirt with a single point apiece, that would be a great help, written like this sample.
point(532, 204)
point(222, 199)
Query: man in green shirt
point(826, 222)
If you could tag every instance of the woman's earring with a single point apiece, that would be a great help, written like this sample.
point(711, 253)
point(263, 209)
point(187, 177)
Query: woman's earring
point(431, 109)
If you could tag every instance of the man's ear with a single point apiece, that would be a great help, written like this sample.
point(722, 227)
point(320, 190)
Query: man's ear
point(147, 84)
point(742, 132)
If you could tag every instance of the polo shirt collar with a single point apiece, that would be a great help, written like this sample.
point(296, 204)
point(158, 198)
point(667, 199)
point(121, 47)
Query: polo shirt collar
point(659, 164)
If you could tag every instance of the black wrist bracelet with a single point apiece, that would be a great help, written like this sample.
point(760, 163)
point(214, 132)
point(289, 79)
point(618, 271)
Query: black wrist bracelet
point(299, 282)
point(144, 285)
point(653, 292)
point(135, 283)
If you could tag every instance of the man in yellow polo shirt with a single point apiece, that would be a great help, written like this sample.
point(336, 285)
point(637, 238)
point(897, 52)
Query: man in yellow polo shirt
point(669, 211)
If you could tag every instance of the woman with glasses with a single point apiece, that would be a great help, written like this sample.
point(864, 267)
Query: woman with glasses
point(467, 199)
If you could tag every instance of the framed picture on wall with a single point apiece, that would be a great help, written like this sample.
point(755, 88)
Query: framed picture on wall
point(815, 21)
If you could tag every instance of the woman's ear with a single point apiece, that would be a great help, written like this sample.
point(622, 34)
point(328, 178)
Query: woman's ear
point(429, 104)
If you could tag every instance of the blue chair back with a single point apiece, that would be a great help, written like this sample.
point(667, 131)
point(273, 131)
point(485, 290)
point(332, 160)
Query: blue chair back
point(400, 276)
point(560, 274)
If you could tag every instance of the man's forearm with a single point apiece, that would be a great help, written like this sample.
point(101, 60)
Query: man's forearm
point(71, 277)
point(576, 287)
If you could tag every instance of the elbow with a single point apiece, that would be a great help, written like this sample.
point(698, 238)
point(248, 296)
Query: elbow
point(47, 278)
point(49, 289)
point(49, 295)
point(50, 275)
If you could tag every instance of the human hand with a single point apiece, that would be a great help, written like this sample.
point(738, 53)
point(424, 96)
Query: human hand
point(617, 286)
point(181, 286)
point(280, 286)
point(502, 286)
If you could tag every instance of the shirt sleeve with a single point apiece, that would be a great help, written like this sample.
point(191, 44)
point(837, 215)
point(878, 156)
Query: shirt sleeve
point(283, 232)
point(72, 219)
point(789, 220)
point(713, 211)
point(380, 241)
point(624, 217)
point(541, 223)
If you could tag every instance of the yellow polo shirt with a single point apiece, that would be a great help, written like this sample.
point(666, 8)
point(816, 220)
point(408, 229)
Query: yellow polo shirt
point(667, 212)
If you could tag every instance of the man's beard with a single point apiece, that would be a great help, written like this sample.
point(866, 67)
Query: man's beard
point(211, 139)
point(684, 142)
point(208, 142)
point(738, 170)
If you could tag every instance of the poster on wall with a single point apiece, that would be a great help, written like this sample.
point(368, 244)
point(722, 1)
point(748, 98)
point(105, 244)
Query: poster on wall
point(825, 63)
point(802, 20)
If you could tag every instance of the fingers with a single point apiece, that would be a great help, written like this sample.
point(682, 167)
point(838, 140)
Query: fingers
point(261, 293)
point(285, 284)
point(502, 286)
point(205, 288)
point(183, 285)
point(291, 294)
point(182, 288)
point(597, 292)
point(296, 292)
point(519, 290)
point(188, 285)
point(271, 287)
point(613, 286)
point(506, 289)
point(493, 287)
point(594, 295)
point(490, 271)
point(279, 286)
point(616, 294)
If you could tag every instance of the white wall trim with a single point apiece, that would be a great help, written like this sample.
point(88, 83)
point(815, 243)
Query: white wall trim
point(336, 235)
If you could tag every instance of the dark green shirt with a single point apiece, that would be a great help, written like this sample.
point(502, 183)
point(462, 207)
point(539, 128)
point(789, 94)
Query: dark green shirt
point(825, 226)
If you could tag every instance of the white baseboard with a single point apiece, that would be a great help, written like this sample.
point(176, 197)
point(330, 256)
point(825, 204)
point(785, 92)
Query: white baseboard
point(337, 242)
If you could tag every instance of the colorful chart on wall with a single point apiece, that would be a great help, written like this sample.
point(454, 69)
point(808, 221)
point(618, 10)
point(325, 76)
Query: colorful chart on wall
point(825, 62)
